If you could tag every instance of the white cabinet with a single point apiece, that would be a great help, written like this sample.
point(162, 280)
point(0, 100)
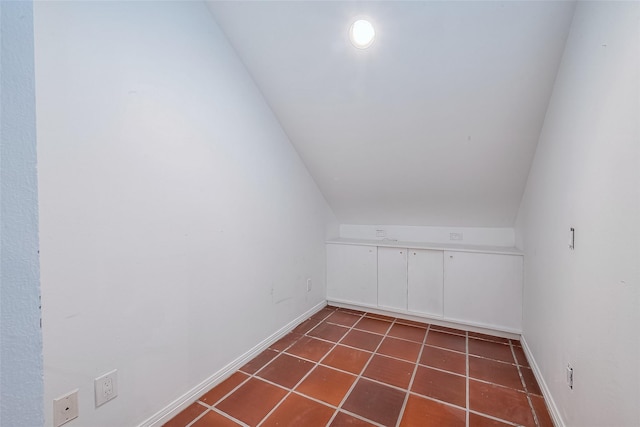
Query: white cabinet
point(465, 286)
point(425, 282)
point(352, 274)
point(483, 289)
point(392, 278)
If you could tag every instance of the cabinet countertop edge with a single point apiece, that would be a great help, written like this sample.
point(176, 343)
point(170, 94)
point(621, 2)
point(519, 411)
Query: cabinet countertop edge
point(501, 250)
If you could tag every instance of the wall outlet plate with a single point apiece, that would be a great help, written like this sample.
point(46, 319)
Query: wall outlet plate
point(65, 408)
point(455, 236)
point(106, 387)
point(309, 285)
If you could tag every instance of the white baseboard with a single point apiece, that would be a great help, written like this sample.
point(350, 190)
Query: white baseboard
point(174, 408)
point(551, 404)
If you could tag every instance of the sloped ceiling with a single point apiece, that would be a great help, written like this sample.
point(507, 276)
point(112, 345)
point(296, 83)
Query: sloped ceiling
point(435, 124)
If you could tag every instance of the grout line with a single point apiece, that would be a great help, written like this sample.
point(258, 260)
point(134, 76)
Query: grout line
point(413, 376)
point(524, 385)
point(290, 391)
point(511, 423)
point(199, 416)
point(359, 376)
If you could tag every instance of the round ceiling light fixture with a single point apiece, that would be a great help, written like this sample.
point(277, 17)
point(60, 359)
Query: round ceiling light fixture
point(362, 34)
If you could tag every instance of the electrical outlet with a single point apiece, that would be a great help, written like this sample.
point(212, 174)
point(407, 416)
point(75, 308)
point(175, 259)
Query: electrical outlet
point(455, 236)
point(381, 233)
point(106, 387)
point(570, 376)
point(65, 408)
point(309, 285)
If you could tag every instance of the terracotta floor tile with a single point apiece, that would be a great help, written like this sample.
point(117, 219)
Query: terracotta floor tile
point(449, 330)
point(544, 419)
point(328, 332)
point(347, 359)
point(342, 318)
point(476, 420)
point(310, 348)
point(213, 419)
point(192, 412)
point(500, 402)
point(491, 350)
point(444, 359)
point(446, 340)
point(306, 326)
point(390, 371)
point(221, 390)
point(380, 316)
point(346, 420)
point(407, 332)
point(255, 364)
point(413, 323)
point(362, 340)
point(326, 384)
point(495, 372)
point(530, 381)
point(324, 313)
point(373, 325)
point(421, 412)
point(252, 401)
point(405, 350)
point(521, 358)
point(285, 370)
point(440, 385)
point(298, 411)
point(488, 337)
point(376, 402)
point(284, 342)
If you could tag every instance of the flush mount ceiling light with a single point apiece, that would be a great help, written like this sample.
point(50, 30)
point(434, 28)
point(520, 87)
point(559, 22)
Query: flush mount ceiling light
point(362, 34)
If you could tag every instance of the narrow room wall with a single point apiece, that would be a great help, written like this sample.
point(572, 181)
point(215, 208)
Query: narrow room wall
point(178, 224)
point(581, 306)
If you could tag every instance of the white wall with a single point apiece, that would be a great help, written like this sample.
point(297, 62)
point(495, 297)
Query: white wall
point(21, 386)
point(178, 224)
point(582, 307)
point(489, 236)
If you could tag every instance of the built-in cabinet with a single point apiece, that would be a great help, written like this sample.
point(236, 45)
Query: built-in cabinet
point(465, 286)
point(392, 278)
point(484, 288)
point(352, 273)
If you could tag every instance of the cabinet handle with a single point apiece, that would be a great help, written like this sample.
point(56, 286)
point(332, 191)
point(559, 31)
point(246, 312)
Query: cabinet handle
point(400, 252)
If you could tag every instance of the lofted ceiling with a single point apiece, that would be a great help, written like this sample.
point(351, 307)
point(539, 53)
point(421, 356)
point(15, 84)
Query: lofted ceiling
point(435, 124)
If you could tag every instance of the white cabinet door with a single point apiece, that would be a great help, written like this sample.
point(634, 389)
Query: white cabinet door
point(483, 289)
point(392, 278)
point(352, 274)
point(425, 281)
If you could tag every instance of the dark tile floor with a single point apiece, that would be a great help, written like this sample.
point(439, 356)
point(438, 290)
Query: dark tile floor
point(347, 368)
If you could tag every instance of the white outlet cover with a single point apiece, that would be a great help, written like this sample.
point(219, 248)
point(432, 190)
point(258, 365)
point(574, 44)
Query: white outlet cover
point(65, 408)
point(106, 387)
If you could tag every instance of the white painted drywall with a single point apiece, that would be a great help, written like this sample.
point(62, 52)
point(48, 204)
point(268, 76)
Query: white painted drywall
point(178, 224)
point(470, 235)
point(21, 385)
point(434, 125)
point(582, 306)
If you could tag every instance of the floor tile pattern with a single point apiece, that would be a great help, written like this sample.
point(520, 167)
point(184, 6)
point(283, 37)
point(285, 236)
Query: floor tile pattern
point(343, 367)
